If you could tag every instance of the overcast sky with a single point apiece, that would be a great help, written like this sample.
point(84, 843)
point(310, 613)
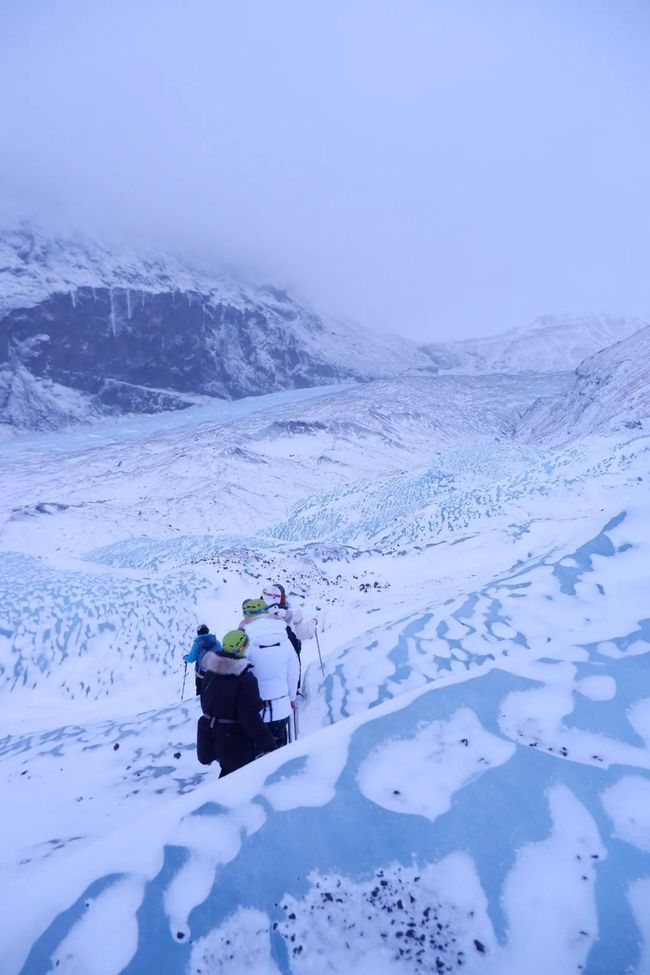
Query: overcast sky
point(439, 168)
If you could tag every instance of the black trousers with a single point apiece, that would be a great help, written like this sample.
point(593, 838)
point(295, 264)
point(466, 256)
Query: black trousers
point(280, 731)
point(232, 747)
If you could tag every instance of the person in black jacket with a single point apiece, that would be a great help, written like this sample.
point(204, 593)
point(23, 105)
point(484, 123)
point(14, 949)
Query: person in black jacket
point(231, 729)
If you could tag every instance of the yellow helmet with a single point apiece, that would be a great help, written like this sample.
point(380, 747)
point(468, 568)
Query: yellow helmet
point(235, 643)
point(254, 607)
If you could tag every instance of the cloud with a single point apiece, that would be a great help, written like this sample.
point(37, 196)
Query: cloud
point(431, 167)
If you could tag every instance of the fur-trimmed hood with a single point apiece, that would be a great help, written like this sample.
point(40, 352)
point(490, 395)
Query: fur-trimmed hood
point(226, 666)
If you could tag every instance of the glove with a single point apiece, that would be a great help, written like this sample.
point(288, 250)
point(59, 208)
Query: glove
point(186, 658)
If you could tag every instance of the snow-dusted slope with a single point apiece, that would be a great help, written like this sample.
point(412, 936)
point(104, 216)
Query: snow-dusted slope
point(133, 333)
point(611, 392)
point(550, 344)
point(30, 403)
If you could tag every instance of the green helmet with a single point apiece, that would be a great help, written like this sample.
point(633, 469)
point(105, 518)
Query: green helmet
point(254, 607)
point(235, 643)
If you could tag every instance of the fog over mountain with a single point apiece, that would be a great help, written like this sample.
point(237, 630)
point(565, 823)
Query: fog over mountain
point(433, 169)
point(87, 331)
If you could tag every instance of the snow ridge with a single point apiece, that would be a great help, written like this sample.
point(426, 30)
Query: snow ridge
point(549, 344)
point(610, 394)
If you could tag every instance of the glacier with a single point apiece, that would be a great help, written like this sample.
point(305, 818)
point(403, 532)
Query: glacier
point(469, 791)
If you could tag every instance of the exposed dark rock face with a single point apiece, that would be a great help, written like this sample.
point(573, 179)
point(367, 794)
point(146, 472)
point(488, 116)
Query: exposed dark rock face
point(87, 330)
point(96, 340)
point(81, 338)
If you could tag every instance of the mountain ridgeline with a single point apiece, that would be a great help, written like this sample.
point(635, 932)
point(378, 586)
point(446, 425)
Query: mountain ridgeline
point(87, 332)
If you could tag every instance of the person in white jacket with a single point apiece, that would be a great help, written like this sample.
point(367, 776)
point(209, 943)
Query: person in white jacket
point(275, 664)
point(298, 627)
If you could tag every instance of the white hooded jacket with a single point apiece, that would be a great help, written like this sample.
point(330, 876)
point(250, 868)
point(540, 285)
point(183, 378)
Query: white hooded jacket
point(276, 664)
point(301, 628)
point(304, 629)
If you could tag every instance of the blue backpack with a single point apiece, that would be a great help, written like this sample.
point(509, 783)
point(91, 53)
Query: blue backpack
point(206, 642)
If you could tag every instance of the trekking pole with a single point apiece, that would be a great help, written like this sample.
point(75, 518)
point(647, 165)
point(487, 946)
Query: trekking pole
point(320, 656)
point(295, 722)
point(183, 688)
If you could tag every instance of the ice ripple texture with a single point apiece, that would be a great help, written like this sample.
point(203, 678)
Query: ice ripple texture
point(200, 877)
point(516, 795)
point(88, 630)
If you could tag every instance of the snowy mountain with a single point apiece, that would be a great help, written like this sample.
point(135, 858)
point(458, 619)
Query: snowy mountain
point(86, 331)
point(610, 393)
point(549, 344)
point(471, 784)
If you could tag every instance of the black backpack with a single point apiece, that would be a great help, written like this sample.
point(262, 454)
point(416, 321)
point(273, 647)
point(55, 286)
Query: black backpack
point(204, 743)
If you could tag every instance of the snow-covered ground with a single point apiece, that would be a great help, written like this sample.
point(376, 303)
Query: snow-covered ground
point(471, 786)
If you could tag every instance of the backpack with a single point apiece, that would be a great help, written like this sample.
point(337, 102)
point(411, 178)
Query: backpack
point(206, 642)
point(204, 743)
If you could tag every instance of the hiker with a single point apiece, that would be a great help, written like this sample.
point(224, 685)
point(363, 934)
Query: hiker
point(231, 729)
point(203, 642)
point(298, 628)
point(276, 666)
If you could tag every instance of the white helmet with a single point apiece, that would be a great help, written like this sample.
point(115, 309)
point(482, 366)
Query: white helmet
point(273, 595)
